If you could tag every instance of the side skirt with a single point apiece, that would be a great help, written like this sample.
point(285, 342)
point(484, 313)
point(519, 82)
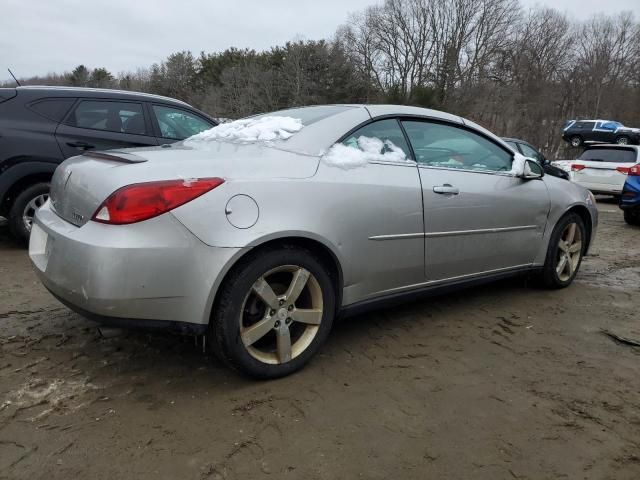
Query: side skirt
point(408, 296)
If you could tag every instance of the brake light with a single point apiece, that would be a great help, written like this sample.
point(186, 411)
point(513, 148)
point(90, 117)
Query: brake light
point(635, 170)
point(623, 170)
point(576, 167)
point(141, 201)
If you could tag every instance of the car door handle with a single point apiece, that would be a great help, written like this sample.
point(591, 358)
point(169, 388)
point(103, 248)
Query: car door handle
point(82, 145)
point(446, 189)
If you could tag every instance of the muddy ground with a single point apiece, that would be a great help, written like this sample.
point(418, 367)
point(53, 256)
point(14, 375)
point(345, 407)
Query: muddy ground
point(503, 381)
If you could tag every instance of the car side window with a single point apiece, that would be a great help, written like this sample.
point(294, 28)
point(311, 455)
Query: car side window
point(513, 145)
point(176, 124)
point(120, 117)
point(387, 132)
point(53, 108)
point(527, 151)
point(447, 146)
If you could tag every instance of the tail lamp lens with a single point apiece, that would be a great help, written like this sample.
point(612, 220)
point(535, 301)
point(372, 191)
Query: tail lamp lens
point(141, 201)
point(576, 167)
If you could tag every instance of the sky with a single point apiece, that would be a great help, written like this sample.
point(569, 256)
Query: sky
point(42, 36)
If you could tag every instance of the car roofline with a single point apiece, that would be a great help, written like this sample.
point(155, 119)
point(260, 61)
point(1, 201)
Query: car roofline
point(109, 91)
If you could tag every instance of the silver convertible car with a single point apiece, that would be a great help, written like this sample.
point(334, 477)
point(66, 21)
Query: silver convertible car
point(260, 232)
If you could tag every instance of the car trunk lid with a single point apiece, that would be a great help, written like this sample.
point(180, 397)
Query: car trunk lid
point(82, 183)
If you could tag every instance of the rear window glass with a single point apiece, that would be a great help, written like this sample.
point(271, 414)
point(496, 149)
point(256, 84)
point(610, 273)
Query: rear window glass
point(617, 155)
point(54, 108)
point(309, 115)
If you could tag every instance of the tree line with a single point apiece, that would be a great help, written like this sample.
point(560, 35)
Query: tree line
point(520, 73)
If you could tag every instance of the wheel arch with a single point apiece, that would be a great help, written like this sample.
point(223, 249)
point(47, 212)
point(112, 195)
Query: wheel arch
point(583, 213)
point(21, 176)
point(325, 253)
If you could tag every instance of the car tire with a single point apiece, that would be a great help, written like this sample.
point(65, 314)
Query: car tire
point(263, 339)
point(564, 253)
point(622, 140)
point(24, 208)
point(575, 141)
point(632, 217)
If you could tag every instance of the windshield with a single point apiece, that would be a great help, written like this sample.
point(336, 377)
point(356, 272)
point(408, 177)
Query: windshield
point(615, 155)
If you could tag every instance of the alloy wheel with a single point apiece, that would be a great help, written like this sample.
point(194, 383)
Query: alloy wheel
point(569, 252)
point(575, 142)
point(622, 141)
point(281, 314)
point(31, 208)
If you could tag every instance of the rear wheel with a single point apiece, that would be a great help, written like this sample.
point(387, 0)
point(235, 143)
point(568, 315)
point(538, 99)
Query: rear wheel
point(565, 251)
point(622, 140)
point(274, 312)
point(575, 141)
point(24, 209)
point(632, 217)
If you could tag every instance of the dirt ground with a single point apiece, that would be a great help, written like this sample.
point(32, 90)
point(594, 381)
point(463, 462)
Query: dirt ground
point(503, 381)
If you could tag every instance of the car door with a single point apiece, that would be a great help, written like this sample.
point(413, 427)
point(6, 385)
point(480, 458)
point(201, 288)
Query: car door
point(104, 125)
point(605, 132)
point(386, 238)
point(478, 217)
point(173, 124)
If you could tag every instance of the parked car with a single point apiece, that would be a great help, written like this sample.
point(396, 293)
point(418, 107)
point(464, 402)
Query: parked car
point(578, 132)
point(603, 169)
point(261, 231)
point(41, 126)
point(630, 197)
point(528, 150)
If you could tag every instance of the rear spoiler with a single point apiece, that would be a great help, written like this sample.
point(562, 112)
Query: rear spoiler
point(114, 156)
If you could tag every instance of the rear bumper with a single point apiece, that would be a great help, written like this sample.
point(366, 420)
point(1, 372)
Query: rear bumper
point(600, 188)
point(630, 198)
point(152, 272)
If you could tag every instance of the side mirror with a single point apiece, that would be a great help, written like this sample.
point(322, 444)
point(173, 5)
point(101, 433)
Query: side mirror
point(532, 169)
point(526, 168)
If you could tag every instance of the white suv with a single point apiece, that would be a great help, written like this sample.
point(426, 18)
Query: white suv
point(603, 169)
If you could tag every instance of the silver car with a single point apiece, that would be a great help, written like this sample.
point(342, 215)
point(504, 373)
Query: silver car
point(261, 238)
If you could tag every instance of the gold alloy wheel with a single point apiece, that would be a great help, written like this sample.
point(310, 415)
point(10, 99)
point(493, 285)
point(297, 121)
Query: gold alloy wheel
point(281, 314)
point(569, 252)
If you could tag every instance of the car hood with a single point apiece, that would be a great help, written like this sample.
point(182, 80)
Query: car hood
point(80, 184)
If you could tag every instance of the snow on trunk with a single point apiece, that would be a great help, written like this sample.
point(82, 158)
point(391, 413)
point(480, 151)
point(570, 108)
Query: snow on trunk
point(248, 130)
point(370, 149)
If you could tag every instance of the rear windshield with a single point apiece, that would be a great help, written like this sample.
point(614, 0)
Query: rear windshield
point(617, 155)
point(309, 115)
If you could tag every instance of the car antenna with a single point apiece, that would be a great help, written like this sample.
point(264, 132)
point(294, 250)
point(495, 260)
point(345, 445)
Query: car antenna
point(14, 77)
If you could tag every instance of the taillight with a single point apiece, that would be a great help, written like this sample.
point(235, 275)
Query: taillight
point(623, 170)
point(634, 171)
point(576, 167)
point(142, 201)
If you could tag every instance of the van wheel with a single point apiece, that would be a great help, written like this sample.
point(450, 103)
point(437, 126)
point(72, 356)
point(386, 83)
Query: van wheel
point(24, 209)
point(274, 312)
point(575, 141)
point(565, 252)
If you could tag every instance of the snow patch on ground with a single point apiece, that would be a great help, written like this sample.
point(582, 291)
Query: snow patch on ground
point(370, 149)
point(249, 130)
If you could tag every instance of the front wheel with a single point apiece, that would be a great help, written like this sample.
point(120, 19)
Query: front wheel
point(575, 141)
point(565, 252)
point(24, 209)
point(622, 140)
point(274, 312)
